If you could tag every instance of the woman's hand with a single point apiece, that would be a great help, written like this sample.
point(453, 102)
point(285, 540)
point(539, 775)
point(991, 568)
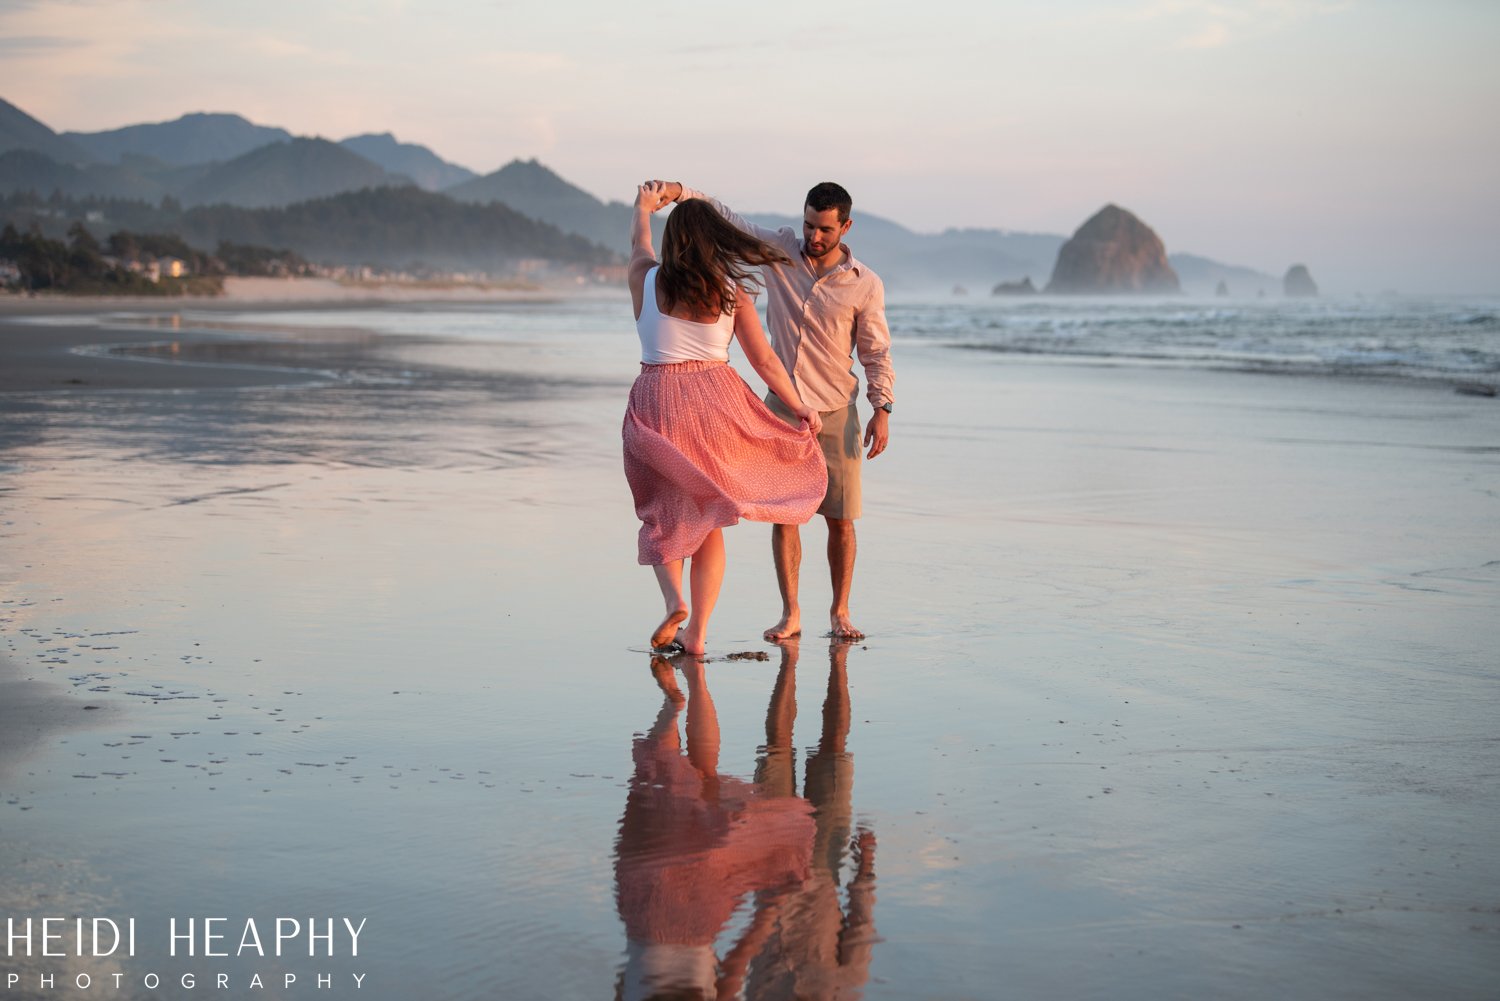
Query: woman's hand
point(651, 196)
point(813, 419)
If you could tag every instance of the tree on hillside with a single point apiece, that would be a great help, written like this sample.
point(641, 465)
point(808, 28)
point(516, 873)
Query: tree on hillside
point(247, 259)
point(145, 246)
point(81, 241)
point(384, 227)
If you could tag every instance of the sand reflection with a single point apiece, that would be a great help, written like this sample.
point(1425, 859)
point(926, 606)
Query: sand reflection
point(732, 888)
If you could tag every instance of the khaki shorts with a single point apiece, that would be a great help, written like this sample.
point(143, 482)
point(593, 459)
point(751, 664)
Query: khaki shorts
point(842, 441)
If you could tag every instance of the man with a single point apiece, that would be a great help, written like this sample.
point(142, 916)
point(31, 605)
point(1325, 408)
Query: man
point(825, 308)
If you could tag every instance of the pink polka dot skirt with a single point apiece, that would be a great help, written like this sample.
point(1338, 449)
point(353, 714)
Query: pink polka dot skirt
point(702, 452)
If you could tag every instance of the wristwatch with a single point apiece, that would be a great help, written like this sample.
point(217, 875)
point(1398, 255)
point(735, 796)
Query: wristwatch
point(884, 406)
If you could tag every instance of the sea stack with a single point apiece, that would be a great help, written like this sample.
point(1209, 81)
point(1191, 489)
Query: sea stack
point(1022, 287)
point(1298, 283)
point(1113, 252)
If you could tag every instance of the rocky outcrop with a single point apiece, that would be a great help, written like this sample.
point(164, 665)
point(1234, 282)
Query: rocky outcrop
point(1113, 252)
point(1022, 287)
point(1298, 283)
point(1222, 290)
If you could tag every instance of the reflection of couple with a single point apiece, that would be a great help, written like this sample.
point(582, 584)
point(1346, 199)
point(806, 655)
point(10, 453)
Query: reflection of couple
point(694, 845)
point(701, 451)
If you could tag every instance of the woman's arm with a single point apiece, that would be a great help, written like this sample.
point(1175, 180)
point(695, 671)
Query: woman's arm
point(648, 198)
point(752, 338)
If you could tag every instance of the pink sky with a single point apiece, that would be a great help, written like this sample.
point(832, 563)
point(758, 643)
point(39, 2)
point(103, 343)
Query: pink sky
point(1357, 137)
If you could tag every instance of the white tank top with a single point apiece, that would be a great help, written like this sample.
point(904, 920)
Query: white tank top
point(666, 340)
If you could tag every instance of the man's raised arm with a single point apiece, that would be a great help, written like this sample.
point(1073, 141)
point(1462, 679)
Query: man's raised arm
point(678, 191)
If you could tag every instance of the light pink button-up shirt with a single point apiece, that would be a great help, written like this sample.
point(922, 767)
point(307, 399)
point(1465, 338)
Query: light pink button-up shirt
point(818, 324)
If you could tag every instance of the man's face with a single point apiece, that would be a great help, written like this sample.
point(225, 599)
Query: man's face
point(821, 231)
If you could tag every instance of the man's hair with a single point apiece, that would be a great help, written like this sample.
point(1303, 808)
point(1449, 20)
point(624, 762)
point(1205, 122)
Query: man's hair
point(828, 195)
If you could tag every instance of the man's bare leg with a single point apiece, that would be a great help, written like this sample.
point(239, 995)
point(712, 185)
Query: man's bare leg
point(786, 550)
point(775, 769)
point(669, 578)
point(841, 547)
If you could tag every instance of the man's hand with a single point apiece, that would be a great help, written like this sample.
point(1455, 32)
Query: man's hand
point(671, 190)
point(878, 433)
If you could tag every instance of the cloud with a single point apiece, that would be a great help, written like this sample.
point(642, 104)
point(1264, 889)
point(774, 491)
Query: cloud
point(98, 43)
point(42, 44)
point(280, 47)
point(524, 63)
point(1275, 12)
point(543, 132)
point(1212, 37)
point(1209, 24)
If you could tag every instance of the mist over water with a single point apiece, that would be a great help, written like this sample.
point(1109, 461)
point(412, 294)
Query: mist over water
point(1418, 338)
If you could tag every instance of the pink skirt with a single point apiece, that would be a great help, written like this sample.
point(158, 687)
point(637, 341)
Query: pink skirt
point(702, 452)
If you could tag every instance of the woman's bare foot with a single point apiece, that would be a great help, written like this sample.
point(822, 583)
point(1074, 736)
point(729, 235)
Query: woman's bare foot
point(841, 628)
point(661, 670)
point(789, 627)
point(667, 631)
point(693, 640)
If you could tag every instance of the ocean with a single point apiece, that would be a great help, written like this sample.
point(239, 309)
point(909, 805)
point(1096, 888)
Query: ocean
point(1410, 338)
point(1453, 339)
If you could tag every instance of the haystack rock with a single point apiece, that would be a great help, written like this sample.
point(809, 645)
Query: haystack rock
point(1298, 282)
point(1113, 252)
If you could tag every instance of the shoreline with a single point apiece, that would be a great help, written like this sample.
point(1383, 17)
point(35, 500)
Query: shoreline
point(39, 349)
point(60, 357)
point(277, 293)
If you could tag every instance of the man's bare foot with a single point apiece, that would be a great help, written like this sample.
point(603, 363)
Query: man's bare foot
point(667, 631)
point(841, 628)
point(789, 627)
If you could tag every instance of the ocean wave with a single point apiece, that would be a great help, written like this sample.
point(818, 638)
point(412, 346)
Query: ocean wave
point(1407, 338)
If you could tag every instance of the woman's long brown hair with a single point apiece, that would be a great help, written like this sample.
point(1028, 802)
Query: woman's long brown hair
point(703, 258)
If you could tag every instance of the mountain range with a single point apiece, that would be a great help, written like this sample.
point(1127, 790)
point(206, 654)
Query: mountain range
point(226, 160)
point(195, 138)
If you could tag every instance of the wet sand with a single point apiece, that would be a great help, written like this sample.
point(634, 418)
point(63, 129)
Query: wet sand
point(32, 712)
point(39, 348)
point(1180, 684)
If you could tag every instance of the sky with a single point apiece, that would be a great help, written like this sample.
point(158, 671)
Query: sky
point(1356, 136)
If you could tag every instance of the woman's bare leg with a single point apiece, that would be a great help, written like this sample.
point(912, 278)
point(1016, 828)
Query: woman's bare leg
point(706, 574)
point(669, 578)
point(702, 721)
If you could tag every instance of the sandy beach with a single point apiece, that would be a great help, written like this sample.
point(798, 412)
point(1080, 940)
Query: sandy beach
point(278, 293)
point(1179, 683)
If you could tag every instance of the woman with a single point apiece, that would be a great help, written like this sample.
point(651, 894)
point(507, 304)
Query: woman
point(701, 450)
